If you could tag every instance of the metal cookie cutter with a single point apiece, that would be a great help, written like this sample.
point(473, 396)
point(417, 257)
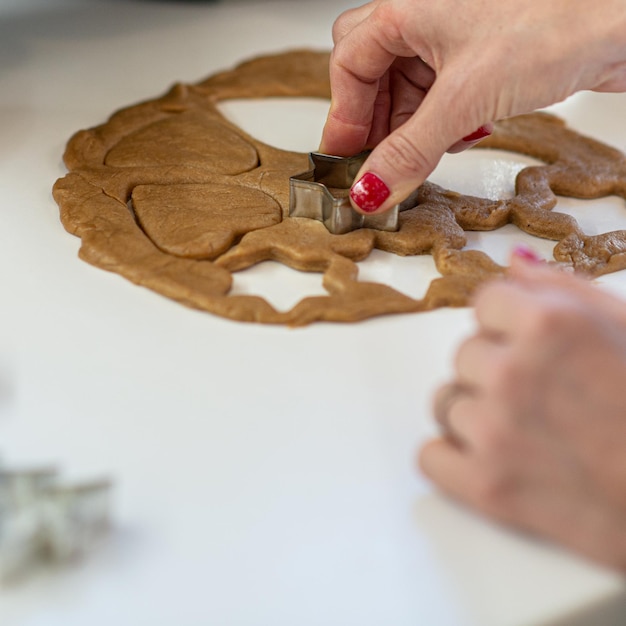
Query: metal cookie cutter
point(322, 193)
point(43, 519)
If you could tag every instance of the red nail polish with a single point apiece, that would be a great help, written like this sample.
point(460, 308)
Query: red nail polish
point(369, 192)
point(525, 253)
point(479, 133)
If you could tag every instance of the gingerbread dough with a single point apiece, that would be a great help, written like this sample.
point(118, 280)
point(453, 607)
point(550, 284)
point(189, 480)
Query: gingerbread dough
point(174, 197)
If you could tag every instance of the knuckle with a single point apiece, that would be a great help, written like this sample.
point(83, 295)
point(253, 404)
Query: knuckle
point(550, 323)
point(385, 12)
point(402, 155)
point(505, 375)
point(543, 321)
point(553, 329)
point(494, 491)
point(345, 23)
point(493, 441)
point(467, 353)
point(341, 27)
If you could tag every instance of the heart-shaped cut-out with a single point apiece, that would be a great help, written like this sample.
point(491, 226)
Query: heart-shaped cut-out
point(201, 221)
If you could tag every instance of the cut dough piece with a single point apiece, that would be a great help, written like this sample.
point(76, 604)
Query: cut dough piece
point(201, 221)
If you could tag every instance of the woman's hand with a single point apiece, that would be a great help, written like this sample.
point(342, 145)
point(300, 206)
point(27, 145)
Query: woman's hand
point(535, 423)
point(412, 78)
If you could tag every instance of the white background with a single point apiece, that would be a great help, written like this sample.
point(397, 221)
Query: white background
point(264, 476)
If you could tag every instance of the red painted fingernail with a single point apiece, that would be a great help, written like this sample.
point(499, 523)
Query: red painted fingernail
point(479, 133)
point(369, 192)
point(525, 253)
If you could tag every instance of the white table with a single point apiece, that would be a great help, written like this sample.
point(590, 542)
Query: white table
point(264, 476)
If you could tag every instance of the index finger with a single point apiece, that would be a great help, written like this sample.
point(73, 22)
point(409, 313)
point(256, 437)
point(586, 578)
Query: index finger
point(358, 62)
point(350, 18)
point(500, 305)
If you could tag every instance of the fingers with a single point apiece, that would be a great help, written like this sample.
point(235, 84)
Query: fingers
point(402, 162)
point(401, 91)
point(470, 479)
point(535, 296)
point(384, 95)
point(359, 61)
point(509, 306)
point(410, 80)
point(444, 400)
point(479, 359)
point(472, 139)
point(448, 467)
point(499, 307)
point(460, 411)
point(381, 117)
point(350, 18)
point(547, 277)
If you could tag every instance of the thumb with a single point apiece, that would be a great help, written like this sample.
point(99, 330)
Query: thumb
point(406, 157)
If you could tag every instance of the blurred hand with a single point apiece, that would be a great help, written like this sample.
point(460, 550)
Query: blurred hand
point(412, 78)
point(535, 423)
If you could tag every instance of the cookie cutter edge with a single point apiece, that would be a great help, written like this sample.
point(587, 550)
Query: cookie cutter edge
point(310, 195)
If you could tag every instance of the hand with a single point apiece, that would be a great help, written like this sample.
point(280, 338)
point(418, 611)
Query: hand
point(410, 78)
point(535, 423)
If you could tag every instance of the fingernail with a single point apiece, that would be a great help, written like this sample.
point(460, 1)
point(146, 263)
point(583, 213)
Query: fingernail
point(526, 253)
point(479, 133)
point(369, 192)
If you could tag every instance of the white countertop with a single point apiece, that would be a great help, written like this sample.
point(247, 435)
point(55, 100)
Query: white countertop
point(264, 476)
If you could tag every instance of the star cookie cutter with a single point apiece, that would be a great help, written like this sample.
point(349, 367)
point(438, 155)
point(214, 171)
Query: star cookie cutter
point(43, 519)
point(323, 193)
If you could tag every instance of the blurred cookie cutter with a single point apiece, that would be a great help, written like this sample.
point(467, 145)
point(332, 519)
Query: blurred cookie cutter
point(323, 193)
point(43, 519)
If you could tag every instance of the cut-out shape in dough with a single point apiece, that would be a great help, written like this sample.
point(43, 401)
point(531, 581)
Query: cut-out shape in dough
point(293, 124)
point(201, 221)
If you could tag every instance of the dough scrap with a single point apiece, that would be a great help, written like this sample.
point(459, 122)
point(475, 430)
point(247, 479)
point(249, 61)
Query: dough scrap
point(173, 196)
